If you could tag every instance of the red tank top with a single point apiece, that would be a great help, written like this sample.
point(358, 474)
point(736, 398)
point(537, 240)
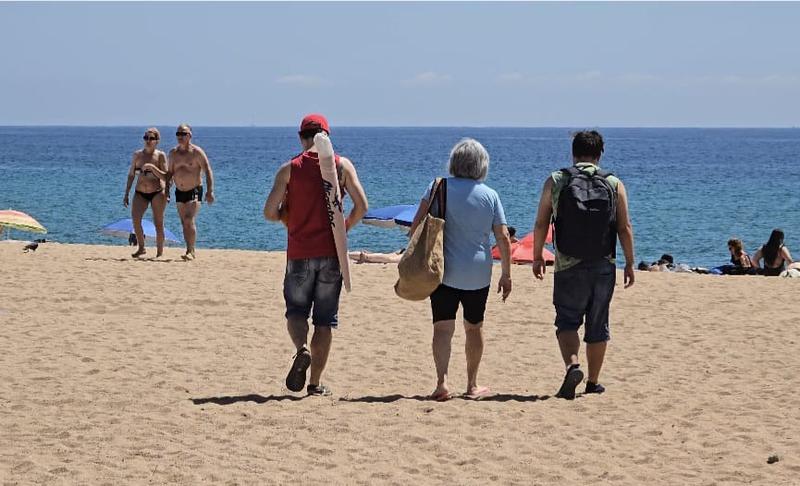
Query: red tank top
point(310, 234)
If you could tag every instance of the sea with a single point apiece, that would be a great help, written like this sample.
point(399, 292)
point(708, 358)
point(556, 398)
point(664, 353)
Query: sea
point(690, 189)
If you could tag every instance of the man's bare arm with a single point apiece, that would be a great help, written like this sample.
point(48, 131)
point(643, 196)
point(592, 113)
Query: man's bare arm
point(624, 227)
point(541, 226)
point(170, 173)
point(625, 233)
point(272, 206)
point(357, 194)
point(206, 166)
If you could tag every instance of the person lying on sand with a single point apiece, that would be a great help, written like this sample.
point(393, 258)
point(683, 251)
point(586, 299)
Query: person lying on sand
point(364, 256)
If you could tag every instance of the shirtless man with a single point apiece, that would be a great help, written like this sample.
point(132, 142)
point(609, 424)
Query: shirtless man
point(187, 162)
point(151, 166)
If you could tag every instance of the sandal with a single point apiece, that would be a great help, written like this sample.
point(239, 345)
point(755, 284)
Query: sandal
point(296, 378)
point(318, 390)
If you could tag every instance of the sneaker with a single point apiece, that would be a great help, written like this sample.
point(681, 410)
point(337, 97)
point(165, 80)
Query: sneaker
point(296, 379)
point(571, 379)
point(318, 390)
point(594, 388)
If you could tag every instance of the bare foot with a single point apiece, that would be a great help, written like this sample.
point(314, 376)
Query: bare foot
point(478, 392)
point(159, 254)
point(139, 252)
point(189, 256)
point(441, 394)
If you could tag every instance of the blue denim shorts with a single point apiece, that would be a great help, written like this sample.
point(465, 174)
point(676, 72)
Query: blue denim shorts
point(313, 283)
point(583, 293)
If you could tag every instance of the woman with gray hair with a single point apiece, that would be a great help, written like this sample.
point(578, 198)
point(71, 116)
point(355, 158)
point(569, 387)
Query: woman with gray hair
point(472, 212)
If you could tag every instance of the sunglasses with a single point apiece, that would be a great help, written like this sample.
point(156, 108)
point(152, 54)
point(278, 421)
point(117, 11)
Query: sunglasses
point(181, 134)
point(148, 139)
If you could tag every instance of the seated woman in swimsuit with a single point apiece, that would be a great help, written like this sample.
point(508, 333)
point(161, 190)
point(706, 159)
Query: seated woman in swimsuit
point(741, 264)
point(775, 255)
point(150, 165)
point(739, 257)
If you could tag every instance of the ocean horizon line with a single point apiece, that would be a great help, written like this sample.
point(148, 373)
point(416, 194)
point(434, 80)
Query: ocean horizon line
point(395, 127)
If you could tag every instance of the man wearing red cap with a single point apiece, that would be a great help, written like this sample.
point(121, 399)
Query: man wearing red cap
point(313, 278)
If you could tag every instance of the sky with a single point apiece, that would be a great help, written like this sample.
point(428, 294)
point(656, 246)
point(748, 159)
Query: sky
point(401, 64)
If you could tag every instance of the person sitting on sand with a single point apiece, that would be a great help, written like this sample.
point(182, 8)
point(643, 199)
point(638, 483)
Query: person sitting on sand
point(367, 257)
point(313, 276)
point(512, 234)
point(473, 211)
point(739, 257)
point(151, 166)
point(512, 231)
point(664, 264)
point(775, 255)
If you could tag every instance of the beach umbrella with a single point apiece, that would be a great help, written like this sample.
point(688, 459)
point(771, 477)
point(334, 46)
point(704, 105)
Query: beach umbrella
point(18, 220)
point(124, 227)
point(400, 215)
point(522, 250)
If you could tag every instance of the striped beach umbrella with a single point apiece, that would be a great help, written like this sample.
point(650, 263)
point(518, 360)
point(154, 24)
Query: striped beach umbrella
point(20, 221)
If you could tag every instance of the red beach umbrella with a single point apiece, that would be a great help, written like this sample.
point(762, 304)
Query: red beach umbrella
point(522, 251)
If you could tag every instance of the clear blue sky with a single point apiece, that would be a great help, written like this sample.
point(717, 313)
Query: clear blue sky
point(387, 64)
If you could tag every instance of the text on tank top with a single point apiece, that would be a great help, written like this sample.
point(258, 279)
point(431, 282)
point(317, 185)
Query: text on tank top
point(309, 229)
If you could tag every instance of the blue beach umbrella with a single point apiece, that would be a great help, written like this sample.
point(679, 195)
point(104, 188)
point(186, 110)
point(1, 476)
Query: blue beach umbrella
point(124, 227)
point(400, 215)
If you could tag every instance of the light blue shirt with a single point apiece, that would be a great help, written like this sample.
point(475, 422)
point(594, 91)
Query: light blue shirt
point(472, 209)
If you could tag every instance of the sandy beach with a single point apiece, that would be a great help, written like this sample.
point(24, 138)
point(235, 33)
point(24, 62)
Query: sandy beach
point(116, 371)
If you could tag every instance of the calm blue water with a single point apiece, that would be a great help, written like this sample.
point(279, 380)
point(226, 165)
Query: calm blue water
point(690, 189)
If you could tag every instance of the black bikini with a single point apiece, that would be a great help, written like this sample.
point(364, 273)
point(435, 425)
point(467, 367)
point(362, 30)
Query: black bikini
point(148, 195)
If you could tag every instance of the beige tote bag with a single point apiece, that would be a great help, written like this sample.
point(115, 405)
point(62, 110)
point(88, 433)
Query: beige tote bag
point(421, 267)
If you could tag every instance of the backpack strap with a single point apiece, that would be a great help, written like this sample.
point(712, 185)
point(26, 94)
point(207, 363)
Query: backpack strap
point(573, 171)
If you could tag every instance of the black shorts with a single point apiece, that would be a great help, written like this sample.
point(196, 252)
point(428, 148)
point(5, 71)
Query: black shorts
point(445, 300)
point(195, 194)
point(582, 295)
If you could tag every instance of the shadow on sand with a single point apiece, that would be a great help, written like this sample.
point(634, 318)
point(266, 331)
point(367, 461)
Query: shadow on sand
point(500, 397)
point(246, 398)
point(385, 399)
point(131, 259)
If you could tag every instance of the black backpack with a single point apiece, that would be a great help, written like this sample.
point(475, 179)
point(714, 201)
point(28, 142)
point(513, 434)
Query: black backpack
point(586, 221)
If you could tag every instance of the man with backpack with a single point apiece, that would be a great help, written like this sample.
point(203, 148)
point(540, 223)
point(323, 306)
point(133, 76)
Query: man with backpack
point(589, 209)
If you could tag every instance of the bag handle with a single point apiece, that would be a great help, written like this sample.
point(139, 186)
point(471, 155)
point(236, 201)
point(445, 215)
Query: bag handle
point(439, 192)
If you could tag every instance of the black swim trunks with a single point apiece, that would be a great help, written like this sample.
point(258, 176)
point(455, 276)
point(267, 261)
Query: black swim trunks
point(148, 195)
point(195, 194)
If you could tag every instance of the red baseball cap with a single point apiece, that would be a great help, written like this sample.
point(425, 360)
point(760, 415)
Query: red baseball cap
point(314, 120)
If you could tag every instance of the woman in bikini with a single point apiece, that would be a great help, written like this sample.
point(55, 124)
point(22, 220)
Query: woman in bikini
point(775, 255)
point(739, 257)
point(149, 164)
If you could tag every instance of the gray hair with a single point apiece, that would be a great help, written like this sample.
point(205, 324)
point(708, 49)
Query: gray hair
point(469, 160)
